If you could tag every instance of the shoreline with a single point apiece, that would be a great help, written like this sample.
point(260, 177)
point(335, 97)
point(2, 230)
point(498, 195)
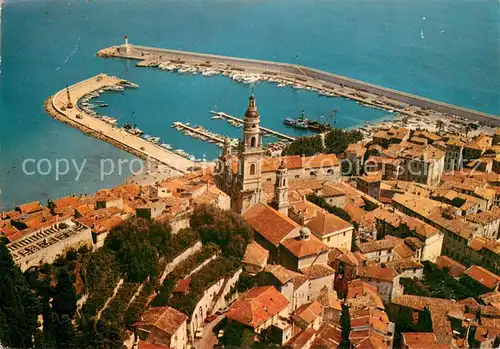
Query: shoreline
point(75, 117)
point(325, 83)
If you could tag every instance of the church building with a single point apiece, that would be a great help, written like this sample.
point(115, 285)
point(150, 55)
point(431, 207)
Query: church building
point(242, 176)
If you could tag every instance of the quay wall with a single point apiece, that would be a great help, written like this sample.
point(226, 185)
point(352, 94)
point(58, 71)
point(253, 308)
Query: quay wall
point(301, 72)
point(107, 133)
point(404, 97)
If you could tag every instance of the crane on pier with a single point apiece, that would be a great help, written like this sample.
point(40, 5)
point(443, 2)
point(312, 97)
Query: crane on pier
point(69, 105)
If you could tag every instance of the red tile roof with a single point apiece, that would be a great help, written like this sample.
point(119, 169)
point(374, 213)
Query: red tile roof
point(328, 299)
point(300, 340)
point(359, 288)
point(303, 248)
point(361, 295)
point(182, 286)
point(61, 203)
point(166, 319)
point(327, 223)
point(367, 339)
point(329, 336)
point(309, 312)
point(271, 164)
point(255, 254)
point(108, 224)
point(420, 303)
point(282, 274)
point(388, 243)
point(85, 210)
point(416, 340)
point(257, 306)
point(269, 223)
point(378, 272)
point(29, 207)
point(483, 276)
point(455, 269)
point(491, 297)
point(370, 317)
point(329, 190)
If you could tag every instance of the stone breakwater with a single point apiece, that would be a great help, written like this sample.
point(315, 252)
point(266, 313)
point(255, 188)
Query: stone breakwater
point(57, 107)
point(251, 70)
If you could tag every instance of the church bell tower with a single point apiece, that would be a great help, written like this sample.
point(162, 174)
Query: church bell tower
point(281, 189)
point(250, 160)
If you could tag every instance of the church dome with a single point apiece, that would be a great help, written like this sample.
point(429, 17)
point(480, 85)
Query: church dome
point(305, 232)
point(252, 111)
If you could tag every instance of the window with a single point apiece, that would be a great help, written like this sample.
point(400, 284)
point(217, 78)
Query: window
point(143, 334)
point(297, 176)
point(343, 234)
point(284, 182)
point(253, 142)
point(252, 169)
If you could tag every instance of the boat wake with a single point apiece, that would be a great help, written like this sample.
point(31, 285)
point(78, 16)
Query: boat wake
point(71, 54)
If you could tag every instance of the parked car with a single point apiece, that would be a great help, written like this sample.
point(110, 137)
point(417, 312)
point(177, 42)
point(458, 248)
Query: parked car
point(220, 334)
point(221, 311)
point(199, 333)
point(210, 318)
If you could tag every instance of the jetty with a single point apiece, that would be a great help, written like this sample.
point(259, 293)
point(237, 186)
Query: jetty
point(252, 70)
point(199, 132)
point(263, 130)
point(64, 106)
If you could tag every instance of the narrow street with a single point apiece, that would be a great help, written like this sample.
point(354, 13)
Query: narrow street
point(209, 338)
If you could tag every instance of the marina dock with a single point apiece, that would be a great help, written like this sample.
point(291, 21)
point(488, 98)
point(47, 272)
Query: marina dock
point(264, 130)
point(64, 107)
point(200, 133)
point(329, 84)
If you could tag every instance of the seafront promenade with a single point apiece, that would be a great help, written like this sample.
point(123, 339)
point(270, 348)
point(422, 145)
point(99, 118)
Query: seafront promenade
point(337, 85)
point(57, 107)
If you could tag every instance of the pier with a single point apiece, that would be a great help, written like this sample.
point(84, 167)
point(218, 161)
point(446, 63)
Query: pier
point(264, 130)
point(63, 106)
point(201, 132)
point(326, 83)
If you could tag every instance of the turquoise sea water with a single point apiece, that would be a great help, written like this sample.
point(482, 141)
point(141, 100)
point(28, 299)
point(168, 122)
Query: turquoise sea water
point(46, 45)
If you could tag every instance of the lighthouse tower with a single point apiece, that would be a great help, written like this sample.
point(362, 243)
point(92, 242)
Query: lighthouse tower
point(127, 45)
point(69, 105)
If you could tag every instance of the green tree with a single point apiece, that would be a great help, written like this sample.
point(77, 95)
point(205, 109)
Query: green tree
point(306, 146)
point(321, 202)
point(66, 334)
point(18, 305)
point(237, 335)
point(64, 301)
point(224, 228)
point(137, 244)
point(337, 140)
point(49, 327)
point(345, 324)
point(143, 231)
